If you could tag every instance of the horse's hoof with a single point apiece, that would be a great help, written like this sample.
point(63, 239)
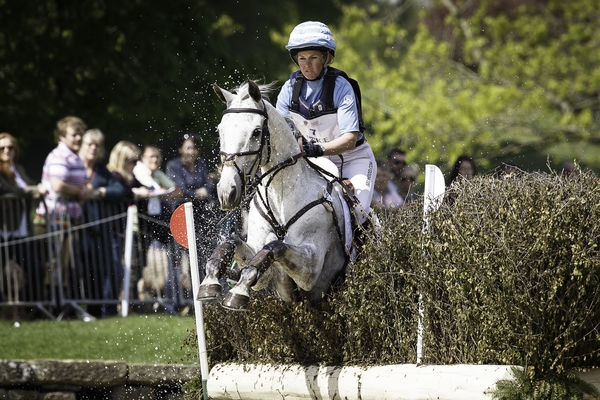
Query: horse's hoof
point(208, 292)
point(236, 302)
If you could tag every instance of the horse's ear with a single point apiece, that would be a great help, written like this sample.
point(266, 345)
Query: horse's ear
point(254, 91)
point(225, 96)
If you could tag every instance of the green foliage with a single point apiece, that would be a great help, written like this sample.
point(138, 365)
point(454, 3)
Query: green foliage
point(501, 82)
point(132, 69)
point(498, 85)
point(508, 272)
point(137, 70)
point(275, 332)
point(524, 386)
point(192, 389)
point(515, 261)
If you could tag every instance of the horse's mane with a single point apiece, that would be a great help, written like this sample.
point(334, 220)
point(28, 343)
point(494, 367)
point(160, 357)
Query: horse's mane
point(265, 89)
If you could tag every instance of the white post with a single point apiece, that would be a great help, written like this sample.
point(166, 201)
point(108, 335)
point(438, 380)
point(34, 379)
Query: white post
point(433, 196)
point(131, 214)
point(191, 238)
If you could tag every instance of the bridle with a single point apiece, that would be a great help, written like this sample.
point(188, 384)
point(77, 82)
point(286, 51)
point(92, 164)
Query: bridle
point(229, 159)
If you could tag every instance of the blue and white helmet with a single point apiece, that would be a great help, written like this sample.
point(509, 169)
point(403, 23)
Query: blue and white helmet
point(311, 35)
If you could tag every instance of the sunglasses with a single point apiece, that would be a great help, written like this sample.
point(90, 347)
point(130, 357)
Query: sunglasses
point(407, 178)
point(9, 148)
point(399, 162)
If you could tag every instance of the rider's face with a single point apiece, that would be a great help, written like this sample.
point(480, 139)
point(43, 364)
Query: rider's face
point(311, 63)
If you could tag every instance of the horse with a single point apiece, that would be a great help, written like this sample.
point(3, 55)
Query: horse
point(297, 234)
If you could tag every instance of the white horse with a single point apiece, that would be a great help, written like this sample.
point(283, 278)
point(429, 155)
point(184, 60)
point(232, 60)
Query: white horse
point(296, 234)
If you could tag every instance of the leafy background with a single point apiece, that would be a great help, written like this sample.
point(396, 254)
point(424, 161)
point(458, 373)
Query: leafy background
point(496, 79)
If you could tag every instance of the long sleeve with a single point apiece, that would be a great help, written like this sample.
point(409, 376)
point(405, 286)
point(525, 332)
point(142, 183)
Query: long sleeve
point(9, 187)
point(103, 178)
point(186, 180)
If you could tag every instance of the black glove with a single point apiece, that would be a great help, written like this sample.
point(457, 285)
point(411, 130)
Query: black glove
point(312, 149)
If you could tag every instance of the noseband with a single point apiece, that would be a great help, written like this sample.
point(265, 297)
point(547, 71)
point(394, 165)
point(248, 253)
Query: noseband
point(265, 140)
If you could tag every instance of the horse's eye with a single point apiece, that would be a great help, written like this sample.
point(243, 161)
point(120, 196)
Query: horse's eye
point(256, 133)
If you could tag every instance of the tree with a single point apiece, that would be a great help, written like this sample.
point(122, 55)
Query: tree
point(137, 70)
point(523, 82)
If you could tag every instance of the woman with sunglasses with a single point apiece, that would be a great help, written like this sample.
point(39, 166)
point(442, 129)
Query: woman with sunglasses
point(13, 178)
point(14, 222)
point(15, 181)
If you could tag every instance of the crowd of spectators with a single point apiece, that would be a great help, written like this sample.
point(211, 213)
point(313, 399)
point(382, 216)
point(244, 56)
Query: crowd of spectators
point(77, 187)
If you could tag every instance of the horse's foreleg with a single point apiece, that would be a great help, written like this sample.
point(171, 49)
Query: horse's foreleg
point(238, 297)
point(219, 260)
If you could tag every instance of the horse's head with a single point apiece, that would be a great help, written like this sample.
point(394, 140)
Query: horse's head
point(244, 137)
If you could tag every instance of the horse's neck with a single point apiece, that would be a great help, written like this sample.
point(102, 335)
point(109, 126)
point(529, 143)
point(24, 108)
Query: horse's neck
point(284, 146)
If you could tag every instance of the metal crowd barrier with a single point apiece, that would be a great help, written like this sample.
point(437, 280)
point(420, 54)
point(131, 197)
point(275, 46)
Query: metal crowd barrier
point(116, 258)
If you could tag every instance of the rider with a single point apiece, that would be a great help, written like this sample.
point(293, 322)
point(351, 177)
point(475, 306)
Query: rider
point(336, 132)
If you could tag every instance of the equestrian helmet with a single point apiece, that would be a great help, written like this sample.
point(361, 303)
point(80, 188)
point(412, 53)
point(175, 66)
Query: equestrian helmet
point(311, 35)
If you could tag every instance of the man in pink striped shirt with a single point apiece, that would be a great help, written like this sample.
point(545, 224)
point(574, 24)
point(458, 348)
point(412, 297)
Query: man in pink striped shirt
point(64, 173)
point(64, 177)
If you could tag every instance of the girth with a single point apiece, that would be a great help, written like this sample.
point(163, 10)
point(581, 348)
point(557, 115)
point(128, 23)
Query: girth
point(281, 230)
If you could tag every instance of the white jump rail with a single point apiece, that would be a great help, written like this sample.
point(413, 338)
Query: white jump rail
point(403, 381)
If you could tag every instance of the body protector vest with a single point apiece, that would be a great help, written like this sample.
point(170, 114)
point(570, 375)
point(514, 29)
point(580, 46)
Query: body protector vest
point(317, 122)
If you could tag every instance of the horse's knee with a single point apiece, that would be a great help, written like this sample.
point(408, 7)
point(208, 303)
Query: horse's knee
point(277, 248)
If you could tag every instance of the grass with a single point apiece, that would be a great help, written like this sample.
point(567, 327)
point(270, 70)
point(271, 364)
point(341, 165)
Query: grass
point(149, 339)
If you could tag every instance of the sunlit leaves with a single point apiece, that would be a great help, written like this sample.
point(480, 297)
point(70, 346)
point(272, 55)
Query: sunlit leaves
point(528, 80)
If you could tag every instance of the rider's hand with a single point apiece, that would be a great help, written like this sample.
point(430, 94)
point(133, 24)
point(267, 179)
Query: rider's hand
point(312, 149)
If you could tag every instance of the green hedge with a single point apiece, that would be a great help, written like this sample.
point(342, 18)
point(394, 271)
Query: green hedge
point(508, 273)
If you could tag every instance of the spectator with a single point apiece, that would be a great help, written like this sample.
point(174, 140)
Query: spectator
point(63, 174)
point(123, 158)
point(64, 178)
point(100, 246)
point(154, 220)
point(396, 161)
point(508, 168)
point(101, 182)
point(148, 173)
point(406, 183)
point(384, 195)
point(464, 167)
point(569, 169)
point(13, 178)
point(189, 172)
point(14, 218)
